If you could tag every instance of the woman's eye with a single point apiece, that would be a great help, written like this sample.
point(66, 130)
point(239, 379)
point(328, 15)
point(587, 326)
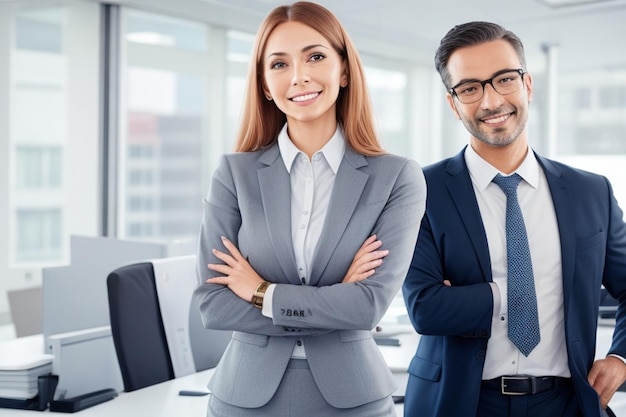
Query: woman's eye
point(317, 57)
point(277, 65)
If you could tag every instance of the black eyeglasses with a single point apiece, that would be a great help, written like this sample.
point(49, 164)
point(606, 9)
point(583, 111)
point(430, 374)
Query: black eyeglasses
point(504, 82)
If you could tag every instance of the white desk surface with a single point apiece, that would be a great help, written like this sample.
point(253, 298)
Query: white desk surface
point(156, 400)
point(163, 400)
point(160, 400)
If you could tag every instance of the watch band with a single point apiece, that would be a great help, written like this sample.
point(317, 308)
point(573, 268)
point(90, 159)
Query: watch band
point(259, 294)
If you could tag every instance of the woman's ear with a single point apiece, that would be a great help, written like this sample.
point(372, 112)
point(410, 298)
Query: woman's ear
point(266, 92)
point(344, 80)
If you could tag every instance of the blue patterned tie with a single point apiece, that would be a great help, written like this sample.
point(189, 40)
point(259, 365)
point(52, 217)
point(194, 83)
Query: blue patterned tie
point(522, 299)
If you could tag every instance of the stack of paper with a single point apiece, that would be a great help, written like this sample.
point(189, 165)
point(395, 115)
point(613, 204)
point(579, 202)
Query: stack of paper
point(22, 361)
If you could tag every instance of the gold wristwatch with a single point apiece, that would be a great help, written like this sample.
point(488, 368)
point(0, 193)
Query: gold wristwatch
point(259, 293)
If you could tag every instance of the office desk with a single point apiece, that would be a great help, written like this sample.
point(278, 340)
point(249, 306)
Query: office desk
point(160, 400)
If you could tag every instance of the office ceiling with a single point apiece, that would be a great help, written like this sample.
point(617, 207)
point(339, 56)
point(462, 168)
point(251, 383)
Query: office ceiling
point(590, 34)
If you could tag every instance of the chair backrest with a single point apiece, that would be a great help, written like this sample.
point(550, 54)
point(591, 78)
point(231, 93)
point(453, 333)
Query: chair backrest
point(137, 328)
point(156, 325)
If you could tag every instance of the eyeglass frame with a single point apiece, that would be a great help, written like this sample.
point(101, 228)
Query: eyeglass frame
point(452, 90)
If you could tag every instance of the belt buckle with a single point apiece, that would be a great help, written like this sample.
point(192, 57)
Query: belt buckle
point(515, 378)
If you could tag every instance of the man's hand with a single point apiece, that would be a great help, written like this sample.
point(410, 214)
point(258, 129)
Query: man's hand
point(606, 376)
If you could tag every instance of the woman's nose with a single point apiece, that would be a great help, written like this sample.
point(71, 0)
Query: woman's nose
point(300, 75)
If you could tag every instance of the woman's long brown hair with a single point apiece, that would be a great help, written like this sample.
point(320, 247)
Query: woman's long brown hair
point(262, 120)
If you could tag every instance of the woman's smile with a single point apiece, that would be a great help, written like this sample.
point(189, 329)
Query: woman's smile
point(306, 97)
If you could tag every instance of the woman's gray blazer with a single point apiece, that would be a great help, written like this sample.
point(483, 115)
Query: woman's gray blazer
point(249, 202)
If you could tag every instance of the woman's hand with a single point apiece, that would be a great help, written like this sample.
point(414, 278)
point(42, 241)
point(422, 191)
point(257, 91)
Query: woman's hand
point(366, 260)
point(238, 275)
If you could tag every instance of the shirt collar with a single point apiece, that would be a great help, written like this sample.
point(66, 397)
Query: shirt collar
point(482, 172)
point(333, 151)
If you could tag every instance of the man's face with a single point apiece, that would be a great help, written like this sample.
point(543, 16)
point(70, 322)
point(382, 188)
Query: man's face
point(496, 120)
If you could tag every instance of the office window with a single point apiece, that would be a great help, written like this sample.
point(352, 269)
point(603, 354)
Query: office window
point(140, 229)
point(40, 30)
point(179, 176)
point(39, 167)
point(55, 164)
point(140, 152)
point(175, 203)
point(138, 203)
point(167, 85)
point(183, 84)
point(40, 95)
point(160, 30)
point(39, 235)
point(592, 132)
point(612, 97)
point(137, 177)
point(388, 91)
point(48, 136)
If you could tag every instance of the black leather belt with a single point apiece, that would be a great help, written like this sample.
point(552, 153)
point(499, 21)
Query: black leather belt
point(525, 385)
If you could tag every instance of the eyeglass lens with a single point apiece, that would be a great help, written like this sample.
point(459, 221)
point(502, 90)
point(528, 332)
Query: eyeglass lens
point(505, 83)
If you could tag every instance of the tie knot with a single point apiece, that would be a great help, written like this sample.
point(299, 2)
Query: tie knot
point(507, 184)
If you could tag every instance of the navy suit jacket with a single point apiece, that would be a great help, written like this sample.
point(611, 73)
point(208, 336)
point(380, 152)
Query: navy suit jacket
point(455, 322)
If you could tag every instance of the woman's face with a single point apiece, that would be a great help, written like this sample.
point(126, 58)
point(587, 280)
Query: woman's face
point(302, 73)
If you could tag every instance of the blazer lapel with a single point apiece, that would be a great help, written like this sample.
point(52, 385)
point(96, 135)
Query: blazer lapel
point(275, 188)
point(462, 193)
point(562, 200)
point(347, 190)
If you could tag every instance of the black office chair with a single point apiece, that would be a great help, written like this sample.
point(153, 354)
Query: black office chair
point(139, 334)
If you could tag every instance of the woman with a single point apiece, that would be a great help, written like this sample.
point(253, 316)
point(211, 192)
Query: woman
point(296, 225)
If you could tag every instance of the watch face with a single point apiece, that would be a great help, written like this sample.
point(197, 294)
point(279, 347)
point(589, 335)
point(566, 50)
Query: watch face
point(259, 293)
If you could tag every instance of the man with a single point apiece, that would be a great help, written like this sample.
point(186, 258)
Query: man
point(546, 244)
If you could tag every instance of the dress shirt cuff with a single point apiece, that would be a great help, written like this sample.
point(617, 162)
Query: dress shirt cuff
point(617, 356)
point(497, 299)
point(268, 299)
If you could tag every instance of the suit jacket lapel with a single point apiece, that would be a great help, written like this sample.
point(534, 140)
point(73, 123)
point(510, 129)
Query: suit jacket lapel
point(562, 200)
point(462, 193)
point(275, 188)
point(348, 188)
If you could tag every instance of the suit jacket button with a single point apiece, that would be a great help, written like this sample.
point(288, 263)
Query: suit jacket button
point(480, 355)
